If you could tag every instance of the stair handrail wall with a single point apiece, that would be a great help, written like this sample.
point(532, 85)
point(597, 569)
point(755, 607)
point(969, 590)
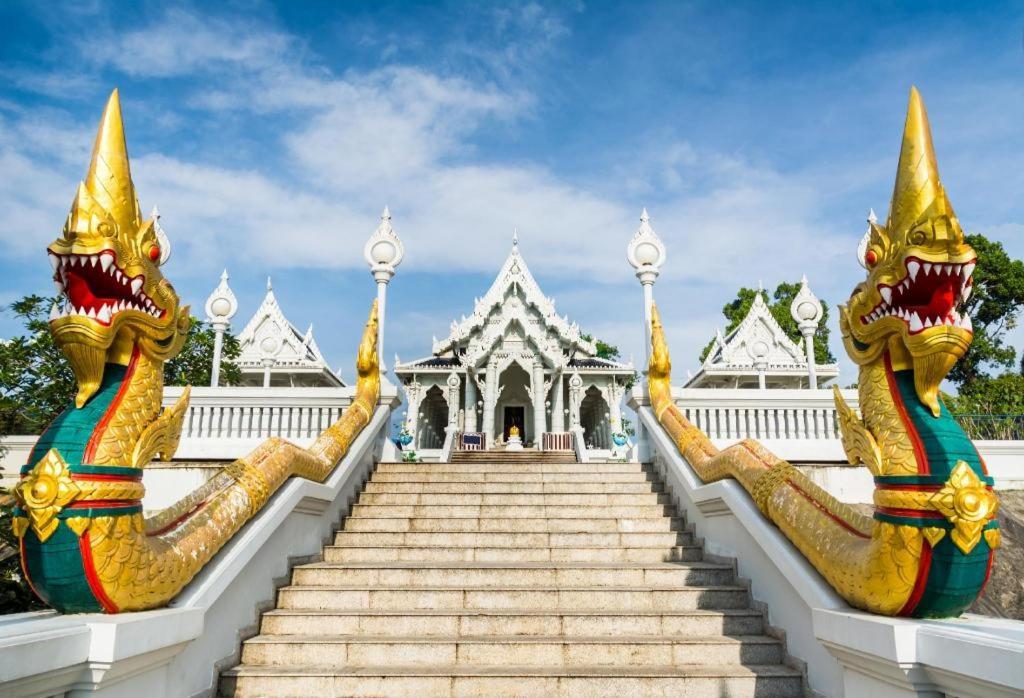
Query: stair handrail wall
point(580, 444)
point(451, 438)
point(185, 644)
point(839, 645)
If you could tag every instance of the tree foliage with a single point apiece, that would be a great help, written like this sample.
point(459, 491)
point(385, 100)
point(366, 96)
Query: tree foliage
point(36, 382)
point(604, 350)
point(779, 306)
point(194, 365)
point(994, 307)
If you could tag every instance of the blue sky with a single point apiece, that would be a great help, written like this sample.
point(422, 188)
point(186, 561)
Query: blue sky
point(271, 136)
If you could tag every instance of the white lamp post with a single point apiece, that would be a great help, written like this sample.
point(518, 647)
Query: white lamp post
point(806, 310)
point(221, 306)
point(269, 346)
point(383, 252)
point(646, 254)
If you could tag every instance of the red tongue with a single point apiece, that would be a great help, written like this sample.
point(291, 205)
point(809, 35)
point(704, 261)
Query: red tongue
point(82, 296)
point(942, 301)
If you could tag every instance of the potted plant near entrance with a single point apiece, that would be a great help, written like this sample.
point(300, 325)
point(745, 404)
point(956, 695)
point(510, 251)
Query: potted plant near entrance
point(405, 438)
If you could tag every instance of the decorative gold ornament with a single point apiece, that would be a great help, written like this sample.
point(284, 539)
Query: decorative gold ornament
point(967, 504)
point(44, 493)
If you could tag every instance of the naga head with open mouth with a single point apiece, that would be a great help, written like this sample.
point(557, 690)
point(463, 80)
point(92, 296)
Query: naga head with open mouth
point(106, 268)
point(919, 273)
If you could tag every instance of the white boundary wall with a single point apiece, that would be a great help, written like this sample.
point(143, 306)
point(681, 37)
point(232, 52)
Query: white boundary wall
point(177, 651)
point(846, 652)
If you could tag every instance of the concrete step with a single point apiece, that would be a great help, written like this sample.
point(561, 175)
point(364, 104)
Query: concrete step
point(363, 523)
point(532, 598)
point(513, 622)
point(511, 539)
point(530, 511)
point(510, 499)
point(523, 488)
point(643, 650)
point(506, 476)
point(444, 681)
point(459, 575)
point(501, 452)
point(511, 468)
point(407, 553)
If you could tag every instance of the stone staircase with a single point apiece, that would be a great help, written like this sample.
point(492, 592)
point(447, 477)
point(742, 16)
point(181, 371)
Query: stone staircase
point(525, 578)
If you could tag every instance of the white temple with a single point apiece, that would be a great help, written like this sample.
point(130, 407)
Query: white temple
point(513, 361)
point(276, 354)
point(759, 354)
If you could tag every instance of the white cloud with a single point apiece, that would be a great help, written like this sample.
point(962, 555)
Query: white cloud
point(345, 144)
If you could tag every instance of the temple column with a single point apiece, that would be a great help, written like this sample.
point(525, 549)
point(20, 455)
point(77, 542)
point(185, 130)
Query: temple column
point(414, 392)
point(453, 399)
point(490, 395)
point(575, 398)
point(614, 398)
point(470, 405)
point(558, 406)
point(539, 421)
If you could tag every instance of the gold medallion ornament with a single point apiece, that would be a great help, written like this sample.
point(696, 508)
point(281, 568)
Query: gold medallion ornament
point(44, 493)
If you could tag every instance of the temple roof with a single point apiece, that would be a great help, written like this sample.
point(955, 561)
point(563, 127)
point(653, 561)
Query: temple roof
point(757, 343)
point(270, 334)
point(514, 312)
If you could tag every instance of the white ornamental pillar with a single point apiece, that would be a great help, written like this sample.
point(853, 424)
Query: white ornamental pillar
point(558, 407)
point(414, 393)
point(646, 254)
point(575, 399)
point(807, 311)
point(539, 396)
point(453, 399)
point(470, 404)
point(614, 398)
point(490, 395)
point(383, 252)
point(221, 306)
point(269, 346)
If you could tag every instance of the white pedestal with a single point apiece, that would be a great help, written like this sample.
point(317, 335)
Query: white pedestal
point(514, 444)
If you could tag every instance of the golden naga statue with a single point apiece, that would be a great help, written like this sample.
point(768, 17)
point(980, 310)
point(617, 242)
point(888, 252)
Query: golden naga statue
point(513, 431)
point(85, 545)
point(928, 548)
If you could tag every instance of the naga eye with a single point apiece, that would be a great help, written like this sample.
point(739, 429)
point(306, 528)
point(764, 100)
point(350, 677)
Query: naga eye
point(154, 253)
point(871, 258)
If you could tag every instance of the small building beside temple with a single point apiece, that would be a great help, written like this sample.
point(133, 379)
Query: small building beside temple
point(759, 354)
point(275, 354)
point(514, 362)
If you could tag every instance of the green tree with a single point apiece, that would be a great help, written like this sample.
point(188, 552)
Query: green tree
point(604, 350)
point(779, 305)
point(194, 365)
point(36, 382)
point(994, 307)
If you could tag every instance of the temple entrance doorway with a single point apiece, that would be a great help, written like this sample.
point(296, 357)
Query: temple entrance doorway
point(514, 414)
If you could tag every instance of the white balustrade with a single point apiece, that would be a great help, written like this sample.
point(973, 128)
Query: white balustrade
point(229, 422)
point(796, 424)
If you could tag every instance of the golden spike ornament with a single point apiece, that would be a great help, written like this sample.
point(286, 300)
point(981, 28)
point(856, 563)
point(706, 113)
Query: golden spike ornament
point(927, 549)
point(85, 544)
